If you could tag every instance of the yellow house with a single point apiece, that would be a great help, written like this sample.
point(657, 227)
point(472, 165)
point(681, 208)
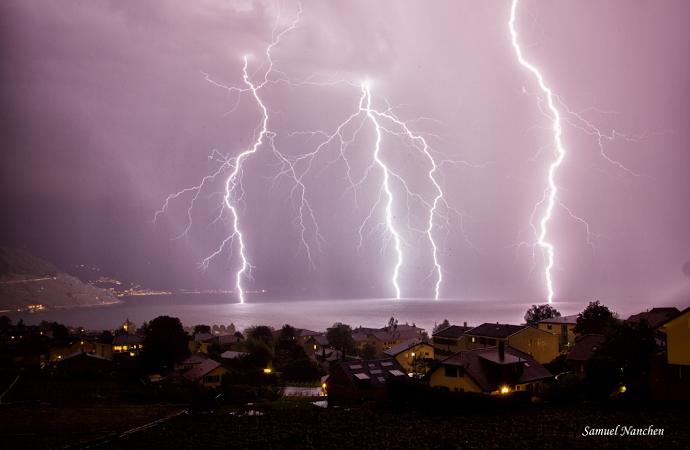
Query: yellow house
point(414, 355)
point(189, 362)
point(448, 341)
point(540, 344)
point(384, 340)
point(208, 374)
point(127, 343)
point(671, 370)
point(562, 326)
point(490, 370)
point(677, 331)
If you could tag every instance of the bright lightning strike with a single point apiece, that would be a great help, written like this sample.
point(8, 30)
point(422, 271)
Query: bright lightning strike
point(551, 190)
point(550, 193)
point(399, 200)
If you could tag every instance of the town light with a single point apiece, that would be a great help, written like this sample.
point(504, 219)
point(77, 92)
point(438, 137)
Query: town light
point(267, 370)
point(505, 390)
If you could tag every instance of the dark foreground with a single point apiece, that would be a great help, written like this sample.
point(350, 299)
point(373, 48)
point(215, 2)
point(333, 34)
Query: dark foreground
point(46, 413)
point(374, 428)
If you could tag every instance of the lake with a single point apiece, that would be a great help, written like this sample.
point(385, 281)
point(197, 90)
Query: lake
point(317, 315)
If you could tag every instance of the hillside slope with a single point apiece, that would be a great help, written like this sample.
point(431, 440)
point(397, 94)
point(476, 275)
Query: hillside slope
point(26, 280)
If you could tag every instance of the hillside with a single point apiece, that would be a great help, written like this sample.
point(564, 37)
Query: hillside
point(18, 262)
point(27, 281)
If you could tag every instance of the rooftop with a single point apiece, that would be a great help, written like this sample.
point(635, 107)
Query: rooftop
point(496, 330)
point(585, 347)
point(201, 370)
point(564, 320)
point(393, 351)
point(483, 366)
point(453, 331)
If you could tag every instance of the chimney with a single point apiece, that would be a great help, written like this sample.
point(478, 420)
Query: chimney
point(464, 324)
point(501, 350)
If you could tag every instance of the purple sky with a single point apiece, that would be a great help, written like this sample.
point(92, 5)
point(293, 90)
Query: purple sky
point(106, 110)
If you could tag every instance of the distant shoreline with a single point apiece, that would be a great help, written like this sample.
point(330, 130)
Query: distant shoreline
point(31, 312)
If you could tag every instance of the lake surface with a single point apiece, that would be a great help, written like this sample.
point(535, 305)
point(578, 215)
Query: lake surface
point(317, 315)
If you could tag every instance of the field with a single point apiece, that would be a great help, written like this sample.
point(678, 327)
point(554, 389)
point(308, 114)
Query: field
point(382, 428)
point(55, 412)
point(40, 412)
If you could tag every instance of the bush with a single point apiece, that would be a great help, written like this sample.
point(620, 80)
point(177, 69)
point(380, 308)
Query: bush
point(566, 391)
point(602, 376)
point(410, 394)
point(302, 370)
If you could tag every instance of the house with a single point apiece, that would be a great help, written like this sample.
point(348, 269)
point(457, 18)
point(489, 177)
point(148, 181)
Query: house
point(303, 336)
point(447, 341)
point(583, 350)
point(540, 344)
point(208, 374)
point(415, 356)
point(81, 363)
point(361, 340)
point(229, 341)
point(189, 362)
point(230, 354)
point(384, 340)
point(59, 350)
point(562, 326)
point(316, 343)
point(102, 348)
point(670, 372)
point(357, 382)
point(127, 343)
point(490, 370)
point(200, 342)
point(327, 357)
point(655, 316)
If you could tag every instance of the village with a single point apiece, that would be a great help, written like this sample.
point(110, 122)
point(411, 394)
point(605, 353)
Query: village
point(590, 357)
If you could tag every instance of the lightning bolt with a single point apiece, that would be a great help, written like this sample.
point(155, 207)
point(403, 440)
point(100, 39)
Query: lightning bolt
point(551, 191)
point(395, 195)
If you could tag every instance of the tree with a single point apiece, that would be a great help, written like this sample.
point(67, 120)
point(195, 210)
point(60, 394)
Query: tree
point(593, 319)
point(165, 342)
point(258, 355)
point(445, 324)
point(301, 369)
point(538, 313)
point(287, 348)
point(340, 337)
point(420, 364)
point(214, 350)
point(141, 331)
point(5, 322)
point(602, 376)
point(368, 352)
point(262, 333)
point(202, 329)
point(392, 323)
point(60, 332)
point(631, 346)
